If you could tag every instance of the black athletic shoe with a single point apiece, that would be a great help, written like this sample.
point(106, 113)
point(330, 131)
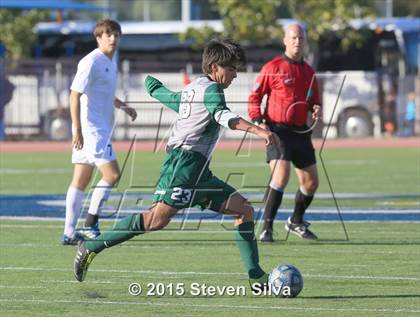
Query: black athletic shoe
point(300, 229)
point(82, 261)
point(266, 236)
point(259, 284)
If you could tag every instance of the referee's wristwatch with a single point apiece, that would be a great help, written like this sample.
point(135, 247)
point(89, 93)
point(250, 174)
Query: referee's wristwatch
point(257, 121)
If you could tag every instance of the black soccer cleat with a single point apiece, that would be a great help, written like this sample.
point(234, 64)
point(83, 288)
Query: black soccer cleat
point(82, 261)
point(259, 284)
point(266, 236)
point(300, 229)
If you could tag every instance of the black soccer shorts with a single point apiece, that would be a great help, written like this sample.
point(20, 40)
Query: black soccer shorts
point(294, 147)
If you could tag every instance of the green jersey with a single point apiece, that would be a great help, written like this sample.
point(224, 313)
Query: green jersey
point(196, 128)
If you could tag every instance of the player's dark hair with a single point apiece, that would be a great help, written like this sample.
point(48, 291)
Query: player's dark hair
point(107, 26)
point(223, 52)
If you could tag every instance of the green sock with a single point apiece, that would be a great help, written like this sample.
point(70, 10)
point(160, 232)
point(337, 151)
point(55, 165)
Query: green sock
point(245, 239)
point(123, 230)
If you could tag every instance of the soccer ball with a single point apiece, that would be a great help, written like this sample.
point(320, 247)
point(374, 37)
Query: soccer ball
point(285, 281)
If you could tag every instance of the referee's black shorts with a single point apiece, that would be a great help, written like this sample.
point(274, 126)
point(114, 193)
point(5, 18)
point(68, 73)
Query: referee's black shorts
point(294, 147)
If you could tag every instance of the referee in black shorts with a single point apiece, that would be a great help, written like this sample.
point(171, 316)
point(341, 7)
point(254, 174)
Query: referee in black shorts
point(288, 80)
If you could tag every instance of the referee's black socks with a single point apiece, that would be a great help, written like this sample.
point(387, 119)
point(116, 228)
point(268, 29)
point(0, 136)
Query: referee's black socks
point(273, 201)
point(302, 202)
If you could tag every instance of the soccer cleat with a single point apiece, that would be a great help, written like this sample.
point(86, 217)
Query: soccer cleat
point(82, 261)
point(73, 240)
point(90, 233)
point(300, 229)
point(266, 236)
point(259, 284)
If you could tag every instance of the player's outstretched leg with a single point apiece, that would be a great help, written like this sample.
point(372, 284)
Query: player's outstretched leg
point(155, 219)
point(123, 230)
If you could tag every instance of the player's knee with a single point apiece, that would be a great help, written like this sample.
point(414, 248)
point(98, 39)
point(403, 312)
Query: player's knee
point(310, 187)
point(113, 178)
point(248, 214)
point(159, 224)
point(80, 184)
point(314, 185)
point(154, 224)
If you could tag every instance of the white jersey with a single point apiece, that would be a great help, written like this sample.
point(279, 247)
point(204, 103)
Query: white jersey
point(96, 79)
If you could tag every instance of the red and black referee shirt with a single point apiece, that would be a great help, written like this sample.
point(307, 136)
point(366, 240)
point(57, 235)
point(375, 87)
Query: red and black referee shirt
point(285, 82)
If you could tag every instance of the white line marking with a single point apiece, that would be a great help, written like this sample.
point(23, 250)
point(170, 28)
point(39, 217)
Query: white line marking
point(167, 304)
point(260, 164)
point(75, 282)
point(35, 171)
point(385, 278)
point(46, 219)
point(22, 287)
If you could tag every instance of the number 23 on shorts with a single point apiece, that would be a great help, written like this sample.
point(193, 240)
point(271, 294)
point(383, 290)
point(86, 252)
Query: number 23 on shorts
point(182, 195)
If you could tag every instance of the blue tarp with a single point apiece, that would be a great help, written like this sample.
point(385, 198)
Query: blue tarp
point(50, 5)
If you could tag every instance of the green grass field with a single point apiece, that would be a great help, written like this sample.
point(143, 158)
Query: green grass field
point(392, 171)
point(376, 273)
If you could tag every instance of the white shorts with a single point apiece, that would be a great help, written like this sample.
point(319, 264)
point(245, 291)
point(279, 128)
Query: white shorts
point(97, 149)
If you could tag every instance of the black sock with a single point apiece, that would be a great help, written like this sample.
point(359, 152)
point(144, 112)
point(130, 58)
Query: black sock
point(91, 220)
point(272, 204)
point(302, 202)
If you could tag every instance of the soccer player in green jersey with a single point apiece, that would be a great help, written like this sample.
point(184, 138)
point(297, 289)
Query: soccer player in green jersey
point(185, 179)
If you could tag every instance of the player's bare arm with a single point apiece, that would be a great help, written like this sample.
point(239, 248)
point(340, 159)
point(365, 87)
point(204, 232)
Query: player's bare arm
point(243, 125)
point(77, 137)
point(127, 109)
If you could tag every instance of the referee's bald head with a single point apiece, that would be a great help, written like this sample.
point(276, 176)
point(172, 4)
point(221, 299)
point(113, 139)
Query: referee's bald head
point(294, 28)
point(294, 41)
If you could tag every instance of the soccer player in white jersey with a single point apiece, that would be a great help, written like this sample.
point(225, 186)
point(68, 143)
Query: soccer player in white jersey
point(185, 178)
point(92, 103)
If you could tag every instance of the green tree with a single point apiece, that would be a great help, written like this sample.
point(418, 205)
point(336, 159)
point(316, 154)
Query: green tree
point(246, 21)
point(16, 30)
point(254, 21)
point(324, 16)
point(406, 8)
point(250, 21)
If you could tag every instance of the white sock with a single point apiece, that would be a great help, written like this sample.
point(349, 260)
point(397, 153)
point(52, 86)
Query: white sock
point(74, 200)
point(99, 196)
point(303, 191)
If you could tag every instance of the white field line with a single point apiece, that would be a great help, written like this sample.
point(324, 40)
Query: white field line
point(75, 282)
point(148, 246)
point(291, 251)
point(213, 306)
point(263, 164)
point(21, 287)
point(17, 171)
point(23, 171)
point(316, 276)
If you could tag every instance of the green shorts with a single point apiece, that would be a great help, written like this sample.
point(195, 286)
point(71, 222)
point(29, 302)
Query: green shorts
point(186, 181)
